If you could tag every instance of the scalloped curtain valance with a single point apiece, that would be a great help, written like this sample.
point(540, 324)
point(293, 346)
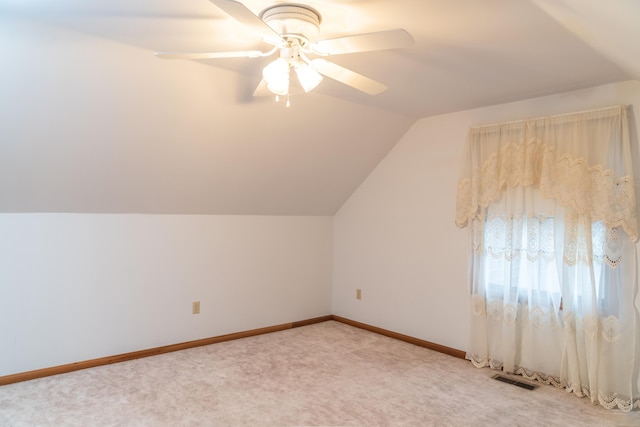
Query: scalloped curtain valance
point(581, 160)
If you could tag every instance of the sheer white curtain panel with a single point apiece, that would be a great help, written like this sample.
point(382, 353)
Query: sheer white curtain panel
point(552, 209)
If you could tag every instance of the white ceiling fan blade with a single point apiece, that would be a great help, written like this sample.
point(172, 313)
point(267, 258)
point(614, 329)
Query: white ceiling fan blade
point(391, 39)
point(348, 77)
point(210, 55)
point(240, 13)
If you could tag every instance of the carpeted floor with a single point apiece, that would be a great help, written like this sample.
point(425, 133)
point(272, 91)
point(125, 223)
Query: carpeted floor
point(327, 374)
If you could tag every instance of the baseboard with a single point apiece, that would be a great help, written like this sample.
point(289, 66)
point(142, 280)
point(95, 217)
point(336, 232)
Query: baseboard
point(55, 370)
point(406, 338)
point(62, 369)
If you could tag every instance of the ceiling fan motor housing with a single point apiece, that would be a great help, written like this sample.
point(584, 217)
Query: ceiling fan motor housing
point(293, 20)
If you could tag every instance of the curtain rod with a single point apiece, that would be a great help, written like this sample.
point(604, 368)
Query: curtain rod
point(554, 116)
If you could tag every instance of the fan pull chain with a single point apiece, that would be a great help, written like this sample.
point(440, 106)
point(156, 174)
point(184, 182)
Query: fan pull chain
point(288, 104)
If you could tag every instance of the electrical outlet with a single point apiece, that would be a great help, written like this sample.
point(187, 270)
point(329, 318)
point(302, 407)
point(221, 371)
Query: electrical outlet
point(195, 307)
point(358, 293)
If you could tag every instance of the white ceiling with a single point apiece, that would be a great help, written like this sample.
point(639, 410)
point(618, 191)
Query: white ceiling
point(91, 121)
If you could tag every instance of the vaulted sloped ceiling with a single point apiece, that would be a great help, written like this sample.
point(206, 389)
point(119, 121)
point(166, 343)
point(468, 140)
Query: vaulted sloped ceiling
point(91, 121)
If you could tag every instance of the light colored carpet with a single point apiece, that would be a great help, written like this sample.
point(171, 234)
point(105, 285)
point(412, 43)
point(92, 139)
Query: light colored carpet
point(326, 374)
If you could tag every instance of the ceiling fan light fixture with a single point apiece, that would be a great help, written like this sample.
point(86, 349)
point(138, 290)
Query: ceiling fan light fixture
point(292, 30)
point(307, 76)
point(276, 74)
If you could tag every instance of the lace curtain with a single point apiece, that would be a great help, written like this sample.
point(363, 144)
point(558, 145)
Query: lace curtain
point(551, 205)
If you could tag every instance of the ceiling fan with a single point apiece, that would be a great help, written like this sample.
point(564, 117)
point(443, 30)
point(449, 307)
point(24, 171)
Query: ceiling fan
point(292, 30)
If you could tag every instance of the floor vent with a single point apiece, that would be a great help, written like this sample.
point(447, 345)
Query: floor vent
point(514, 382)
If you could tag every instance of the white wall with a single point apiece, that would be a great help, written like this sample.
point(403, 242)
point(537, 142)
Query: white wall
point(395, 237)
point(78, 286)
